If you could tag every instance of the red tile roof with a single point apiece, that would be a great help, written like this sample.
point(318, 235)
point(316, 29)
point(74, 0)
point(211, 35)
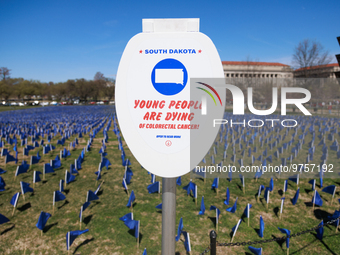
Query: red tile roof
point(316, 67)
point(252, 63)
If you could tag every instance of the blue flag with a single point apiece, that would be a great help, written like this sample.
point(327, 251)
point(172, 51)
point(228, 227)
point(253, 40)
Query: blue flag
point(98, 173)
point(23, 168)
point(15, 198)
point(215, 184)
point(202, 207)
point(187, 244)
point(313, 183)
point(36, 177)
point(233, 208)
point(2, 171)
point(271, 184)
point(261, 227)
point(234, 227)
point(287, 232)
point(124, 184)
point(61, 185)
point(266, 194)
point(133, 224)
point(44, 216)
point(48, 168)
point(25, 187)
point(293, 178)
point(132, 198)
point(179, 229)
point(153, 188)
point(296, 197)
point(82, 209)
point(245, 212)
point(127, 217)
point(72, 235)
point(126, 162)
point(69, 177)
point(179, 181)
point(2, 184)
point(153, 178)
point(256, 251)
point(319, 231)
point(317, 199)
point(3, 219)
point(105, 162)
point(212, 207)
point(91, 196)
point(73, 169)
point(144, 252)
point(159, 206)
point(226, 202)
point(58, 196)
point(329, 189)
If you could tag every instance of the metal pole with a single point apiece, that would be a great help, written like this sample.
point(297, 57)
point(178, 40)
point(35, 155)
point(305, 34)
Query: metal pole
point(213, 237)
point(168, 216)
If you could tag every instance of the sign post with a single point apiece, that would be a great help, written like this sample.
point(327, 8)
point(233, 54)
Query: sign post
point(168, 216)
point(166, 116)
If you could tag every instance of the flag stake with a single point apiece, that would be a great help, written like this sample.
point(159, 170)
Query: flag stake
point(13, 211)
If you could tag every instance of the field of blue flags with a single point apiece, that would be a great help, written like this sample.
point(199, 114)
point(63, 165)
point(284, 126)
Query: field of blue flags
point(68, 183)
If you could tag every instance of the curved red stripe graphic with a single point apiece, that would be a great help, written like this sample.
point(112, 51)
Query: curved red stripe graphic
point(212, 90)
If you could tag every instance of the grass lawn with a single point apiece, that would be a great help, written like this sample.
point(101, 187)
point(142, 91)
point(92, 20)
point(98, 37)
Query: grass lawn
point(108, 235)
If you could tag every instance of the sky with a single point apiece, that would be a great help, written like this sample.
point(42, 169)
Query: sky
point(60, 40)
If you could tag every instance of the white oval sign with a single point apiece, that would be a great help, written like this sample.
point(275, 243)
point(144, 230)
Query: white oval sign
point(156, 109)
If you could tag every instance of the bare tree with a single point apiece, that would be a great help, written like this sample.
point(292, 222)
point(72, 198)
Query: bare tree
point(99, 76)
point(310, 53)
point(4, 72)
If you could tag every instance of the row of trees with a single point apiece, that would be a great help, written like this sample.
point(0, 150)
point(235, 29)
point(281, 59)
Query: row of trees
point(18, 88)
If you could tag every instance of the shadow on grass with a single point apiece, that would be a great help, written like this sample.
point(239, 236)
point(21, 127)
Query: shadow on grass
point(66, 191)
point(7, 229)
point(308, 190)
point(132, 232)
point(279, 242)
point(321, 214)
point(25, 207)
point(82, 244)
point(48, 227)
point(304, 247)
point(280, 192)
point(257, 230)
point(87, 219)
point(276, 211)
point(65, 203)
point(240, 187)
point(213, 220)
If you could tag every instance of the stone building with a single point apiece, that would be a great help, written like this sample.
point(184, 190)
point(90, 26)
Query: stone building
point(323, 71)
point(247, 69)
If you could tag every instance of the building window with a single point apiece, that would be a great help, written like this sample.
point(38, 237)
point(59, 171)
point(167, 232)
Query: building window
point(275, 75)
point(227, 75)
point(232, 75)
